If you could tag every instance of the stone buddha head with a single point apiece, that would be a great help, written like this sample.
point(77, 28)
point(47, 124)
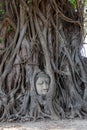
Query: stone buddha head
point(42, 83)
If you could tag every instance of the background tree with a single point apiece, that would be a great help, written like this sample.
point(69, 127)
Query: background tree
point(42, 35)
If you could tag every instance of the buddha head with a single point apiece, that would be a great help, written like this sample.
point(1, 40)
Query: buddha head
point(42, 83)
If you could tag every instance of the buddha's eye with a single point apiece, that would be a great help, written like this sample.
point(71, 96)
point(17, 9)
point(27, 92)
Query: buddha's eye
point(47, 82)
point(40, 83)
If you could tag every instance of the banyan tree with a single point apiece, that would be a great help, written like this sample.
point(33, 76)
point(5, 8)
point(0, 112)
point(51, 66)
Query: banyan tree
point(42, 72)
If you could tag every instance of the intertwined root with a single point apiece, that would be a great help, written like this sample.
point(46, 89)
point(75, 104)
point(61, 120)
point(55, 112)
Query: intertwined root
point(42, 35)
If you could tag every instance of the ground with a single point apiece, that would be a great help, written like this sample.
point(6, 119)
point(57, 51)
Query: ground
point(46, 125)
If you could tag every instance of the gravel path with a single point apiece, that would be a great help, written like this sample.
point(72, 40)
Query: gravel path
point(46, 125)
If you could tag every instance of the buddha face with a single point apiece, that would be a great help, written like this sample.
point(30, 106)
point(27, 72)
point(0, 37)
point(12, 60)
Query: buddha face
point(42, 84)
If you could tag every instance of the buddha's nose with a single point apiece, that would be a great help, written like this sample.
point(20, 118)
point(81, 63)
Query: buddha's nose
point(44, 85)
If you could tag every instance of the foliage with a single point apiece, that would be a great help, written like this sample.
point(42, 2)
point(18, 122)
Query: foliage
point(1, 40)
point(29, 1)
point(85, 7)
point(9, 29)
point(73, 2)
point(1, 9)
point(85, 2)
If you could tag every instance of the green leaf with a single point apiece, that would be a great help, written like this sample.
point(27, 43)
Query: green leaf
point(1, 9)
point(29, 1)
point(1, 40)
point(73, 2)
point(1, 5)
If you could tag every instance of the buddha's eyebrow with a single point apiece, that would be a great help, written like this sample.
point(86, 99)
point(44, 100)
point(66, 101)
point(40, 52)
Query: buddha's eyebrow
point(40, 82)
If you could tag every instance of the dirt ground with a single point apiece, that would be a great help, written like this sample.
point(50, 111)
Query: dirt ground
point(46, 125)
